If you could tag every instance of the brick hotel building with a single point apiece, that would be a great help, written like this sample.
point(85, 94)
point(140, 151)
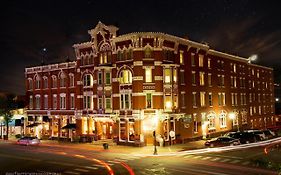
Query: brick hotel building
point(127, 86)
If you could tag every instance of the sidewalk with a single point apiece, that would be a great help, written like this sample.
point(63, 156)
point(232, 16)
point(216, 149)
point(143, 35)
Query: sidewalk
point(146, 150)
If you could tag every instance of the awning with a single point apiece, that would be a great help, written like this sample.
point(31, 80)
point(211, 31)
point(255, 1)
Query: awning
point(33, 125)
point(69, 126)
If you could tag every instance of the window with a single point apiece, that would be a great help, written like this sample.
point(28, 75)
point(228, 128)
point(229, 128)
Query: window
point(125, 77)
point(251, 110)
point(182, 79)
point(37, 83)
point(202, 98)
point(201, 60)
point(210, 80)
point(45, 82)
point(250, 98)
point(55, 104)
point(181, 58)
point(183, 99)
point(192, 59)
point(148, 74)
point(147, 53)
point(37, 102)
point(62, 101)
point(107, 103)
point(175, 75)
point(30, 84)
point(209, 63)
point(88, 80)
point(62, 80)
point(99, 78)
point(244, 116)
point(221, 99)
point(148, 100)
point(259, 110)
point(221, 80)
point(210, 98)
point(222, 120)
point(211, 120)
point(88, 101)
point(193, 78)
point(234, 68)
point(167, 74)
point(72, 101)
point(168, 102)
point(195, 124)
point(130, 54)
point(30, 102)
point(71, 80)
point(107, 78)
point(45, 101)
point(54, 81)
point(125, 101)
point(201, 74)
point(119, 55)
point(194, 99)
point(100, 106)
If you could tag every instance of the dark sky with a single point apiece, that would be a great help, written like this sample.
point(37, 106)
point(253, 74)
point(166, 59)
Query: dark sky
point(240, 27)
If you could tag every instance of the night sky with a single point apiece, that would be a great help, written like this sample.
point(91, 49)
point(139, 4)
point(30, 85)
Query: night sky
point(239, 27)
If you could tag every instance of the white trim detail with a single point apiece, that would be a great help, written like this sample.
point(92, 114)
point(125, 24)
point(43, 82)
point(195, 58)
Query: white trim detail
point(157, 63)
point(79, 96)
point(138, 94)
point(138, 78)
point(158, 78)
point(115, 95)
point(138, 63)
point(114, 79)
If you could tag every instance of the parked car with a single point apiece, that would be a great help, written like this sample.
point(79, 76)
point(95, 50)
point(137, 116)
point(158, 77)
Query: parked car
point(257, 132)
point(222, 141)
point(244, 137)
point(28, 141)
point(268, 134)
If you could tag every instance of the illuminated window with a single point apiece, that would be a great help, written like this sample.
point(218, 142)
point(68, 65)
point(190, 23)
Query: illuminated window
point(125, 77)
point(210, 79)
point(168, 102)
point(221, 99)
point(234, 68)
point(148, 74)
point(202, 99)
point(107, 103)
point(88, 101)
point(222, 119)
point(175, 75)
point(201, 74)
point(201, 60)
point(212, 121)
point(88, 80)
point(181, 58)
point(125, 101)
point(195, 124)
point(194, 99)
point(148, 100)
point(30, 102)
point(251, 110)
point(167, 75)
point(100, 106)
point(244, 116)
point(107, 78)
point(209, 63)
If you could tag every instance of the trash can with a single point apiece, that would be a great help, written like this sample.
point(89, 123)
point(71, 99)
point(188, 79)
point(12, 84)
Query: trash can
point(105, 145)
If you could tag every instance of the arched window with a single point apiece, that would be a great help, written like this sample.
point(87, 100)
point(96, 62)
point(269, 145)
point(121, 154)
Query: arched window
point(45, 82)
point(71, 80)
point(130, 54)
point(30, 84)
point(62, 80)
point(54, 81)
point(37, 82)
point(88, 80)
point(125, 77)
point(212, 121)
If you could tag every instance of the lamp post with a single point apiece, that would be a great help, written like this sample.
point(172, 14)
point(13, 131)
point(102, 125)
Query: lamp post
point(155, 149)
point(252, 58)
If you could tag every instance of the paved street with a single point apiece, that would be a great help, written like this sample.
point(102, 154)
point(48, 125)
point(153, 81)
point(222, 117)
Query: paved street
point(90, 159)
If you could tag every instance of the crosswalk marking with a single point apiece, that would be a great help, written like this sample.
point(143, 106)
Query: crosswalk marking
point(235, 161)
point(81, 170)
point(71, 172)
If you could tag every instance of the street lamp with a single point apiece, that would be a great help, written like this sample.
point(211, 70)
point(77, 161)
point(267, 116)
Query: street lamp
point(252, 58)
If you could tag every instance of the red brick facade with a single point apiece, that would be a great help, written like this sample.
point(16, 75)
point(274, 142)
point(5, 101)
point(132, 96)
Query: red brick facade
point(127, 86)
